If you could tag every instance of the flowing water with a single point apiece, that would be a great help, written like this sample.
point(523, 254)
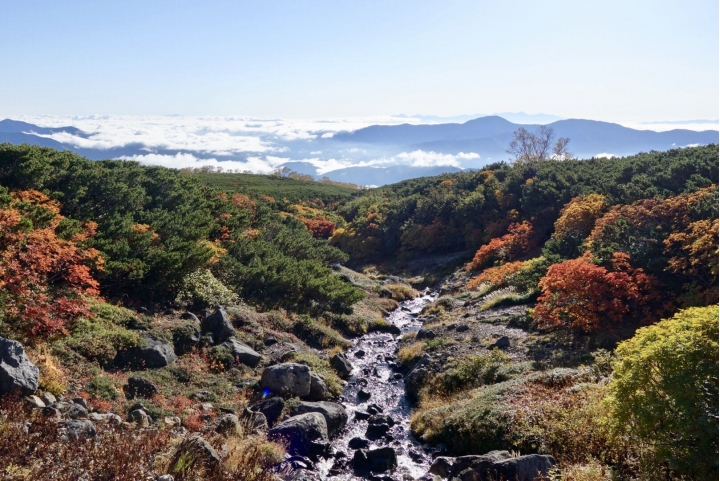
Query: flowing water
point(373, 372)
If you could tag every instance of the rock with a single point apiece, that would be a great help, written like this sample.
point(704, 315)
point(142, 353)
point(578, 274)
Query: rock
point(425, 334)
point(374, 409)
point(186, 338)
point(219, 326)
point(202, 396)
point(48, 398)
point(375, 460)
point(153, 354)
point(334, 414)
point(502, 343)
point(385, 293)
point(358, 443)
point(524, 468)
point(318, 388)
point(494, 465)
point(363, 395)
point(301, 432)
point(269, 341)
point(242, 352)
point(51, 413)
point(189, 316)
point(416, 377)
point(287, 379)
point(165, 477)
point(140, 387)
point(359, 353)
point(378, 426)
point(35, 402)
point(109, 418)
point(139, 417)
point(198, 449)
point(271, 408)
point(17, 373)
point(257, 420)
point(362, 415)
point(228, 424)
point(76, 411)
point(462, 328)
point(442, 466)
point(80, 402)
point(80, 429)
point(340, 363)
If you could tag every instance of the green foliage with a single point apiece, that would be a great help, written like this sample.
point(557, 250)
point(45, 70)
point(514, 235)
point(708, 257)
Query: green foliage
point(469, 373)
point(102, 387)
point(317, 334)
point(201, 289)
point(664, 391)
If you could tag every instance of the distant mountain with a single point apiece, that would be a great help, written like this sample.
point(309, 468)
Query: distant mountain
point(489, 137)
point(301, 168)
point(9, 126)
point(385, 175)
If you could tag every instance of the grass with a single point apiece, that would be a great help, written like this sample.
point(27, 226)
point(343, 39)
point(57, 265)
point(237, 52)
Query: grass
point(507, 296)
point(468, 373)
point(409, 354)
point(401, 292)
point(277, 188)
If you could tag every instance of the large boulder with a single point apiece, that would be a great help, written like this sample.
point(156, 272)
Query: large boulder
point(415, 379)
point(195, 447)
point(493, 465)
point(318, 388)
point(287, 379)
point(340, 363)
point(375, 460)
point(153, 353)
point(218, 325)
point(242, 352)
point(335, 415)
point(140, 387)
point(270, 407)
point(17, 373)
point(304, 433)
point(79, 429)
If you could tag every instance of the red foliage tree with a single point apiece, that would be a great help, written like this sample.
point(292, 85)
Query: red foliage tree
point(319, 227)
point(513, 245)
point(578, 293)
point(44, 279)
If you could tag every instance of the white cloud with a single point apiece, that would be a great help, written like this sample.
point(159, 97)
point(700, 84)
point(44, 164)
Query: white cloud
point(421, 158)
point(185, 160)
point(605, 155)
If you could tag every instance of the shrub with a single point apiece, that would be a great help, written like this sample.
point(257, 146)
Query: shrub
point(201, 289)
point(471, 372)
point(664, 392)
point(102, 387)
point(409, 354)
point(99, 339)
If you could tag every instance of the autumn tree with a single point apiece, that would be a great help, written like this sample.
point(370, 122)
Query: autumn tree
point(45, 277)
point(528, 147)
point(319, 227)
point(516, 243)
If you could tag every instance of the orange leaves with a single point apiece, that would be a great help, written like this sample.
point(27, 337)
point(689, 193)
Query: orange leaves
point(319, 227)
point(578, 293)
point(579, 215)
point(44, 277)
point(497, 276)
point(243, 202)
point(516, 243)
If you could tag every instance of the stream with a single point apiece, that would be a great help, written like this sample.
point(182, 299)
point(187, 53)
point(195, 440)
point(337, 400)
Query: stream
point(373, 373)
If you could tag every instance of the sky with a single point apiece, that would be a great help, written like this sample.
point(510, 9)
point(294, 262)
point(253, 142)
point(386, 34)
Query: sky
point(622, 61)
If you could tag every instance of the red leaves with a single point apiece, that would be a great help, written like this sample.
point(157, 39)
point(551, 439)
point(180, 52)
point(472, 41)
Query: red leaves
point(45, 278)
point(319, 227)
point(516, 243)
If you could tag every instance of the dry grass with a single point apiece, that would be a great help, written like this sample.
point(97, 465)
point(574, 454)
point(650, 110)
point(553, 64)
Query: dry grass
point(401, 292)
point(413, 352)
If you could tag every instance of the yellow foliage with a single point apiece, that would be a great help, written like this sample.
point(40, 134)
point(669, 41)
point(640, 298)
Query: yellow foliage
point(579, 215)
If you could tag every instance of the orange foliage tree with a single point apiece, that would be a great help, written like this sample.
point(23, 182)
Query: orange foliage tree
point(516, 243)
point(497, 276)
point(44, 278)
point(578, 293)
point(578, 216)
point(319, 227)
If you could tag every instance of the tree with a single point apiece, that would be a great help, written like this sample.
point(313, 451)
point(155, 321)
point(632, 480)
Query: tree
point(528, 147)
point(664, 392)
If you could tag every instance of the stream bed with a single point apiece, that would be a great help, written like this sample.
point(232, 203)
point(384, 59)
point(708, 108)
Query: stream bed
point(373, 359)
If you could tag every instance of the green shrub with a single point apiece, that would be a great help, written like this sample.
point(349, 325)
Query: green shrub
point(201, 289)
point(102, 387)
point(664, 392)
point(471, 372)
point(317, 334)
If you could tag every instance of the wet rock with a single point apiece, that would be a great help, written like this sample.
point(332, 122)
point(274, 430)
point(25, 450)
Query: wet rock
point(340, 363)
point(425, 334)
point(415, 378)
point(271, 408)
point(218, 325)
point(186, 337)
point(397, 375)
point(358, 443)
point(301, 432)
point(363, 395)
point(17, 373)
point(359, 353)
point(374, 409)
point(416, 456)
point(242, 352)
point(152, 354)
point(502, 343)
point(228, 424)
point(287, 379)
point(378, 426)
point(318, 388)
point(140, 387)
point(362, 415)
point(376, 460)
point(300, 462)
point(334, 414)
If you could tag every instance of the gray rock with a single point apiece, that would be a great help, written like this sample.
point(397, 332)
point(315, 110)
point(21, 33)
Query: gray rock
point(140, 387)
point(17, 373)
point(35, 401)
point(80, 401)
point(425, 334)
point(219, 326)
point(442, 466)
point(165, 477)
point(271, 408)
point(228, 424)
point(318, 388)
point(109, 418)
point(76, 411)
point(49, 398)
point(493, 465)
point(302, 432)
point(152, 354)
point(199, 450)
point(257, 420)
point(462, 328)
point(340, 363)
point(414, 380)
point(139, 417)
point(335, 415)
point(375, 460)
point(287, 379)
point(524, 468)
point(358, 443)
point(242, 352)
point(502, 343)
point(80, 429)
point(189, 316)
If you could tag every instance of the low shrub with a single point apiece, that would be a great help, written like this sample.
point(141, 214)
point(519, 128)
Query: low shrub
point(102, 387)
point(409, 354)
point(469, 373)
point(202, 289)
point(317, 334)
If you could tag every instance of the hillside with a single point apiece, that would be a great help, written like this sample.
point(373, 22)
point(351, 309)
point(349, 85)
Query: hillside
point(158, 322)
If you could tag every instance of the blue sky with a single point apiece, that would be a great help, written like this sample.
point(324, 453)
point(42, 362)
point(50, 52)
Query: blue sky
point(610, 60)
